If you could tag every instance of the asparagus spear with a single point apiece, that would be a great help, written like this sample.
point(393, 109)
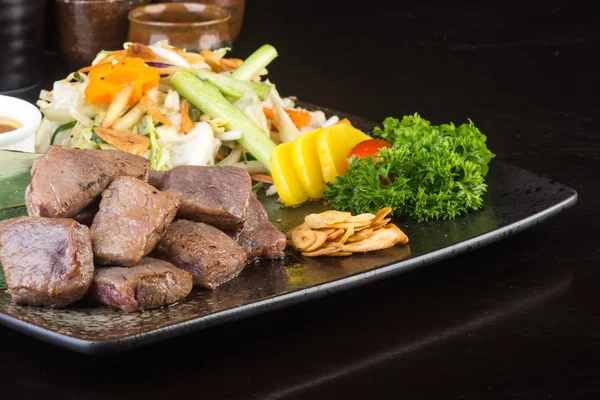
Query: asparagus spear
point(232, 87)
point(255, 63)
point(207, 98)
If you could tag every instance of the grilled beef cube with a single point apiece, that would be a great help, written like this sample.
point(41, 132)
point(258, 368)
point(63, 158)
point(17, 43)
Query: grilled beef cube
point(127, 163)
point(156, 178)
point(149, 284)
point(210, 255)
point(132, 218)
point(214, 195)
point(47, 261)
point(65, 181)
point(259, 237)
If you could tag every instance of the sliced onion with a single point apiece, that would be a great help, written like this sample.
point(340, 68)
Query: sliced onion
point(82, 119)
point(155, 64)
point(45, 95)
point(176, 101)
point(233, 157)
point(168, 103)
point(330, 121)
point(230, 135)
point(170, 56)
point(271, 191)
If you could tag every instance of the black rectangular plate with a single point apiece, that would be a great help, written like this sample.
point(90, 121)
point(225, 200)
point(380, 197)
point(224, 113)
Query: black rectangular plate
point(516, 200)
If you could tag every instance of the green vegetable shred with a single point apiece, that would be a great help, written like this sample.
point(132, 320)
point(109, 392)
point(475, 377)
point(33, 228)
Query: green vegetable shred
point(62, 128)
point(3, 285)
point(431, 172)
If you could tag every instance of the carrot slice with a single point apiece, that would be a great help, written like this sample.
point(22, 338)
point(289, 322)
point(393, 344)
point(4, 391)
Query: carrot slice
point(300, 118)
point(85, 70)
point(186, 123)
point(344, 121)
point(262, 178)
point(129, 142)
point(107, 79)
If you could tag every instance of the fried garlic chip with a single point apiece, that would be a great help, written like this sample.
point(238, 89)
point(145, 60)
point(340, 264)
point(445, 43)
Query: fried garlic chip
point(335, 234)
point(381, 239)
point(326, 219)
point(360, 235)
point(332, 217)
point(380, 224)
point(344, 238)
point(327, 249)
point(339, 233)
point(321, 238)
point(327, 230)
point(381, 214)
point(129, 142)
point(403, 238)
point(288, 234)
point(302, 239)
point(360, 219)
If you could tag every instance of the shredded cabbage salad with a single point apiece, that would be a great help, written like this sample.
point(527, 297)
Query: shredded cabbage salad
point(70, 120)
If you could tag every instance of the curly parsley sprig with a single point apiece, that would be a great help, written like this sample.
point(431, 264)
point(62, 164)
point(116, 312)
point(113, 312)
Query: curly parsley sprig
point(431, 172)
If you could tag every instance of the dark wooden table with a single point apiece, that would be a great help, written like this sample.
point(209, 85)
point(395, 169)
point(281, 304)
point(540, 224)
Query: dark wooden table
point(516, 319)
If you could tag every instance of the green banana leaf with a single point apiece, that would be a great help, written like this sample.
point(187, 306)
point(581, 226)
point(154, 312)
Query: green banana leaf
point(14, 178)
point(15, 175)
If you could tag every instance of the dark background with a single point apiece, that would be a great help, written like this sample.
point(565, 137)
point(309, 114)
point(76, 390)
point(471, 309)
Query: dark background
point(517, 319)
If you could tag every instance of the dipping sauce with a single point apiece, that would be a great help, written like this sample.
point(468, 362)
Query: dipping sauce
point(8, 124)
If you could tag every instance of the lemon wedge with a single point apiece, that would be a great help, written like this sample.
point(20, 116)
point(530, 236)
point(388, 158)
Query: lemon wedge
point(288, 185)
point(307, 164)
point(333, 145)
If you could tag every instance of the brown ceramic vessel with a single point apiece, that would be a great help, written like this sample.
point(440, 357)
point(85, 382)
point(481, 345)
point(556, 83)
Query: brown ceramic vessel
point(235, 7)
point(187, 25)
point(85, 27)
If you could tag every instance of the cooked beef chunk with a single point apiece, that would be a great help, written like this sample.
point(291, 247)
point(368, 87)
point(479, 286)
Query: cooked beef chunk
point(127, 163)
point(156, 178)
point(259, 237)
point(132, 218)
point(209, 254)
point(47, 261)
point(65, 181)
point(149, 284)
point(215, 195)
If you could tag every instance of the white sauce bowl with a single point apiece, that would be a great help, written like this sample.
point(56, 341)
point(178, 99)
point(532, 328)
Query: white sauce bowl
point(21, 139)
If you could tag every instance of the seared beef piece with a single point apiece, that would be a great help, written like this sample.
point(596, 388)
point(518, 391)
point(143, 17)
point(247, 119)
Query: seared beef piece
point(132, 218)
point(127, 163)
point(215, 195)
point(47, 261)
point(149, 284)
point(65, 181)
point(209, 254)
point(156, 178)
point(259, 237)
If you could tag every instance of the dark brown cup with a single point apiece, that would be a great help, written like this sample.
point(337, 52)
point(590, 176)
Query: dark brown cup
point(185, 25)
point(86, 27)
point(235, 7)
point(22, 35)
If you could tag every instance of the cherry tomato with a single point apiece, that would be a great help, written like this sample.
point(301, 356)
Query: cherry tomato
point(365, 148)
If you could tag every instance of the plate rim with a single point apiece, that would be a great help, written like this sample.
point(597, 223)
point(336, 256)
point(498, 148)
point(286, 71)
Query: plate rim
point(131, 342)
